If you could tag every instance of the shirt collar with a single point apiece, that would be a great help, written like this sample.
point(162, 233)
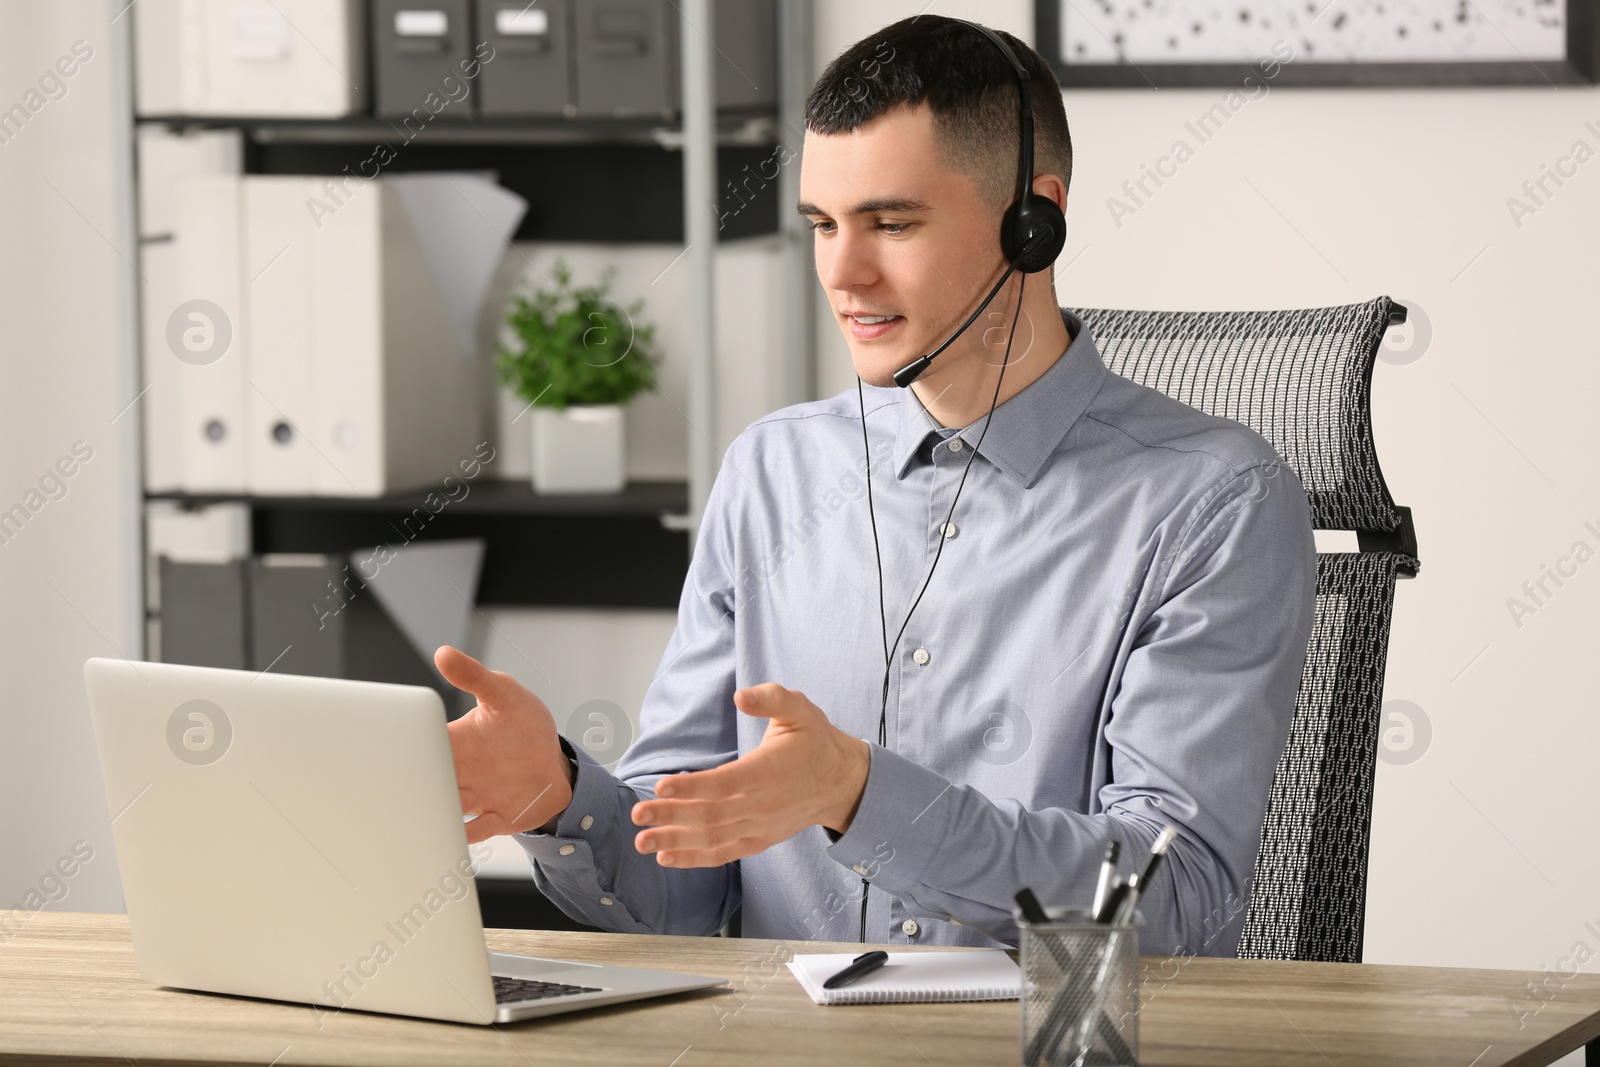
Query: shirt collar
point(1032, 423)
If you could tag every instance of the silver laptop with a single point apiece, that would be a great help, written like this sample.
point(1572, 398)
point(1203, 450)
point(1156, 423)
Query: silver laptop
point(301, 839)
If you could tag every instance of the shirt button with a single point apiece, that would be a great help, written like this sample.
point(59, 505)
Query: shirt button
point(910, 928)
point(606, 901)
point(860, 869)
point(567, 850)
point(955, 444)
point(949, 529)
point(586, 822)
point(921, 655)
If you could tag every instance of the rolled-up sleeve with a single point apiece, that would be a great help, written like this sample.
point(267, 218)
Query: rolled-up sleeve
point(1198, 716)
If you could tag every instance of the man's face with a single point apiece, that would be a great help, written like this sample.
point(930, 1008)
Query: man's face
point(905, 247)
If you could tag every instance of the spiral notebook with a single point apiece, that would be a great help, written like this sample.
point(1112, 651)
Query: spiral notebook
point(912, 977)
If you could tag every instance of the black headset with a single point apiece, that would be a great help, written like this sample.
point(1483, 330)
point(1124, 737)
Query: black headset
point(1032, 234)
point(1033, 231)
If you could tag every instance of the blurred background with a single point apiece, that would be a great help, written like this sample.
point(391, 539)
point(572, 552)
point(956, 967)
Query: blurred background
point(266, 393)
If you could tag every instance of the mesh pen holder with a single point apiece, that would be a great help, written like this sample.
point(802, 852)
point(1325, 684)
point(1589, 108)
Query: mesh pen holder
point(1080, 992)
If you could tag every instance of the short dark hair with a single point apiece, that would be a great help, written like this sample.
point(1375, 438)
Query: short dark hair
point(967, 84)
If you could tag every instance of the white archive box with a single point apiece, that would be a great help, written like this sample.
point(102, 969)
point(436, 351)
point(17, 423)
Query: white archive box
point(356, 380)
point(156, 77)
point(256, 58)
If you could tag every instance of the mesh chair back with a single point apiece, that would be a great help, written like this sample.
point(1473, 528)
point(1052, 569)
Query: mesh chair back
point(1302, 379)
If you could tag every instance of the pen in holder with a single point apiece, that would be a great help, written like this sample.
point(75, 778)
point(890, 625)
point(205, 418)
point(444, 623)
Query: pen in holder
point(1080, 992)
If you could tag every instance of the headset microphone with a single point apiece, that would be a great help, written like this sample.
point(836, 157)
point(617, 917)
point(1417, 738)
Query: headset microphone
point(913, 370)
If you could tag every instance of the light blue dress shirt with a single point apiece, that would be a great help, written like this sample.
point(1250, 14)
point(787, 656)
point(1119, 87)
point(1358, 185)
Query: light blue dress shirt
point(1111, 643)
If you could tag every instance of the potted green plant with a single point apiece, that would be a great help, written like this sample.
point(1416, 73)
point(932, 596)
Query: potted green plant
point(577, 360)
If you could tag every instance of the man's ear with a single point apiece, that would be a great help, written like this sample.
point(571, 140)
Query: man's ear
point(1051, 186)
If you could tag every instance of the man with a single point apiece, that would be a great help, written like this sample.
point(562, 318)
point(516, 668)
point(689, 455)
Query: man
point(1111, 644)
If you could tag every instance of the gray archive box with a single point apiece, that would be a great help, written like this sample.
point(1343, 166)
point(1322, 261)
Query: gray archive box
point(747, 53)
point(416, 46)
point(292, 614)
point(203, 611)
point(626, 53)
point(530, 74)
point(310, 614)
point(295, 623)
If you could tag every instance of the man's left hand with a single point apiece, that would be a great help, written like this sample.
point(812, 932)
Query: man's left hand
point(805, 772)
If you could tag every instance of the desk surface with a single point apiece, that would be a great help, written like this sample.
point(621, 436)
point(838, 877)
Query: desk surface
point(69, 988)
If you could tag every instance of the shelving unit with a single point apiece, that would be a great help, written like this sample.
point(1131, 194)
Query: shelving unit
point(749, 126)
point(584, 180)
point(635, 180)
point(592, 181)
point(622, 550)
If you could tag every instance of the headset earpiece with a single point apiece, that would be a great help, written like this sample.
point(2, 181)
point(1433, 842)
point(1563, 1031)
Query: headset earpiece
point(1034, 229)
point(1033, 233)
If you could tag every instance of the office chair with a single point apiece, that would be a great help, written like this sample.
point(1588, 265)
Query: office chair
point(1302, 379)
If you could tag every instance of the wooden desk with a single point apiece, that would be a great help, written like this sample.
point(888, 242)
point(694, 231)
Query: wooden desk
point(69, 989)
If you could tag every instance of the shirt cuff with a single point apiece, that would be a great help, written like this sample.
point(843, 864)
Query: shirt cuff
point(589, 814)
point(565, 865)
point(902, 821)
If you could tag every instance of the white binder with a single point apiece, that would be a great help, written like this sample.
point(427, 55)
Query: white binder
point(394, 405)
point(348, 374)
point(161, 404)
point(279, 290)
point(211, 339)
point(166, 155)
point(364, 387)
point(263, 58)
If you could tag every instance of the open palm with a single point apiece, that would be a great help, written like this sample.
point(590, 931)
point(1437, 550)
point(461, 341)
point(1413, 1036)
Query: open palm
point(510, 768)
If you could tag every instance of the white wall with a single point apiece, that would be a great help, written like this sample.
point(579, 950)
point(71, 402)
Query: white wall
point(1306, 197)
point(1322, 197)
point(68, 578)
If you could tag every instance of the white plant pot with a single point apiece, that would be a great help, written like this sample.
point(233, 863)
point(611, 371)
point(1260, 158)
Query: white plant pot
point(578, 450)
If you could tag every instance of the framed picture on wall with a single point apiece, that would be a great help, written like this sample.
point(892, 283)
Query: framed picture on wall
point(1179, 43)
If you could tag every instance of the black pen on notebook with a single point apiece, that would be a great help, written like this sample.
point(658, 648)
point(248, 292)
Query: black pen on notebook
point(860, 967)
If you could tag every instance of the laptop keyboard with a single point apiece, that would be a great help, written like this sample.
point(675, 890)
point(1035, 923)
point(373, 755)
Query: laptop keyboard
point(516, 990)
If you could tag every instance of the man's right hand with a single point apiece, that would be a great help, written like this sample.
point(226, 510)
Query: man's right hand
point(510, 768)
